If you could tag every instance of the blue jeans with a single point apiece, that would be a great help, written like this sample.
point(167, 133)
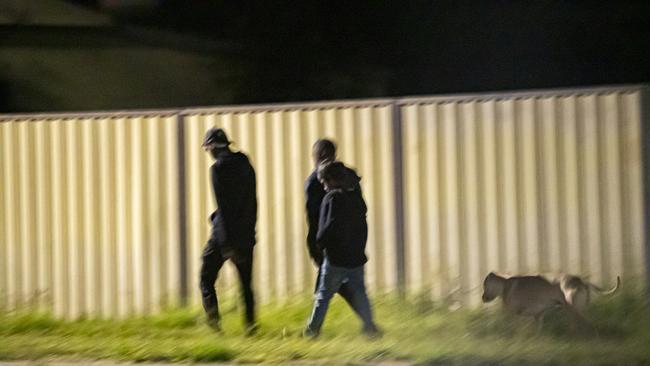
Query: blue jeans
point(331, 279)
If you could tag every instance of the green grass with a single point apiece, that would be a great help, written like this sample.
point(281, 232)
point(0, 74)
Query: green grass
point(416, 330)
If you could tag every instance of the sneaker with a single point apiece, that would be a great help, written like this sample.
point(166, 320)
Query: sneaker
point(215, 324)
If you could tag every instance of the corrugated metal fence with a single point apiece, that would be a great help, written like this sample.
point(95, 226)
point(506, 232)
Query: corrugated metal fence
point(534, 183)
point(279, 145)
point(106, 213)
point(89, 211)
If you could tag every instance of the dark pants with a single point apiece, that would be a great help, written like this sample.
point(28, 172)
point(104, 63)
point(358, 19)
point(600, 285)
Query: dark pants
point(212, 263)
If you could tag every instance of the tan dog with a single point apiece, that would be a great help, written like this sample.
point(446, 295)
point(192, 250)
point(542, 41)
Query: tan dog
point(577, 291)
point(528, 296)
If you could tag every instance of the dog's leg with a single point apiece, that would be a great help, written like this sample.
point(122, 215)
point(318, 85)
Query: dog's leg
point(577, 319)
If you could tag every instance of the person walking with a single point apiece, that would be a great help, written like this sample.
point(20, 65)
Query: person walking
point(323, 151)
point(233, 226)
point(342, 235)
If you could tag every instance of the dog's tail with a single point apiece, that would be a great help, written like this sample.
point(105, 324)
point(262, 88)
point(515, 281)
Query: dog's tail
point(607, 292)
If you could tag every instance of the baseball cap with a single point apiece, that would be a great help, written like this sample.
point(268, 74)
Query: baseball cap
point(215, 137)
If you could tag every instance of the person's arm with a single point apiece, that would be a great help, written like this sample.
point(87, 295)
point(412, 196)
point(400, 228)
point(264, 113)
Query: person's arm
point(327, 230)
point(365, 221)
point(223, 205)
point(313, 197)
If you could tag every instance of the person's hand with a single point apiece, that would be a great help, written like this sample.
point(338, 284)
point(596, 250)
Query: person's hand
point(317, 256)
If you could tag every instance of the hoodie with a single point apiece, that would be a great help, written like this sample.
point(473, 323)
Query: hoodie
point(342, 228)
point(314, 194)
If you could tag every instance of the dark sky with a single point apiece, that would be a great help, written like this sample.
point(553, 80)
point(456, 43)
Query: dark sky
point(322, 49)
point(307, 50)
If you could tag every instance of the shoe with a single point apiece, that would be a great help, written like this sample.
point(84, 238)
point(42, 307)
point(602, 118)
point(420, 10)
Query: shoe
point(372, 332)
point(215, 324)
point(308, 333)
point(251, 329)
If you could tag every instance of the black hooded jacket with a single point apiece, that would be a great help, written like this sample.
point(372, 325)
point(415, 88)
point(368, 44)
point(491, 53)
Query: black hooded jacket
point(342, 228)
point(234, 185)
point(314, 194)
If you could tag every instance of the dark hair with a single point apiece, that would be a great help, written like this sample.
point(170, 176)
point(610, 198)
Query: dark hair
point(332, 172)
point(324, 150)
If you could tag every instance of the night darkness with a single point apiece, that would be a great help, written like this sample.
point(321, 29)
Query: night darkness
point(281, 51)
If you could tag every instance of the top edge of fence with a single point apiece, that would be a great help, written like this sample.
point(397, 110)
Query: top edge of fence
point(288, 107)
point(524, 94)
point(92, 115)
point(333, 104)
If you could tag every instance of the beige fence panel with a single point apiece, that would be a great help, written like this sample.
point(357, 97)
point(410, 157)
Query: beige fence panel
point(89, 214)
point(107, 213)
point(522, 183)
point(278, 143)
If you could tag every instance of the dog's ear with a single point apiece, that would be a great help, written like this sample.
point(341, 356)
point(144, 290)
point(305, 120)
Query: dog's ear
point(489, 276)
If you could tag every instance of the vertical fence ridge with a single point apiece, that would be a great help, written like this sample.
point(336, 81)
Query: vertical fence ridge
point(398, 159)
point(182, 211)
point(644, 120)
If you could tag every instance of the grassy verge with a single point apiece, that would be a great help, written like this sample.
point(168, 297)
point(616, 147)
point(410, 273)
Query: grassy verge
point(416, 330)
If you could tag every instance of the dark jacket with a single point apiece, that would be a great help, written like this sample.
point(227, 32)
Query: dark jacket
point(234, 185)
point(342, 228)
point(314, 194)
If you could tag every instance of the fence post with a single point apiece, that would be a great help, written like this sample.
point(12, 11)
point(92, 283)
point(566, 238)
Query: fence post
point(182, 211)
point(398, 162)
point(645, 160)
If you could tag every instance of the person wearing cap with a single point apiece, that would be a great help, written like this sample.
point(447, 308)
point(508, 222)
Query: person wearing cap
point(233, 225)
point(342, 235)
